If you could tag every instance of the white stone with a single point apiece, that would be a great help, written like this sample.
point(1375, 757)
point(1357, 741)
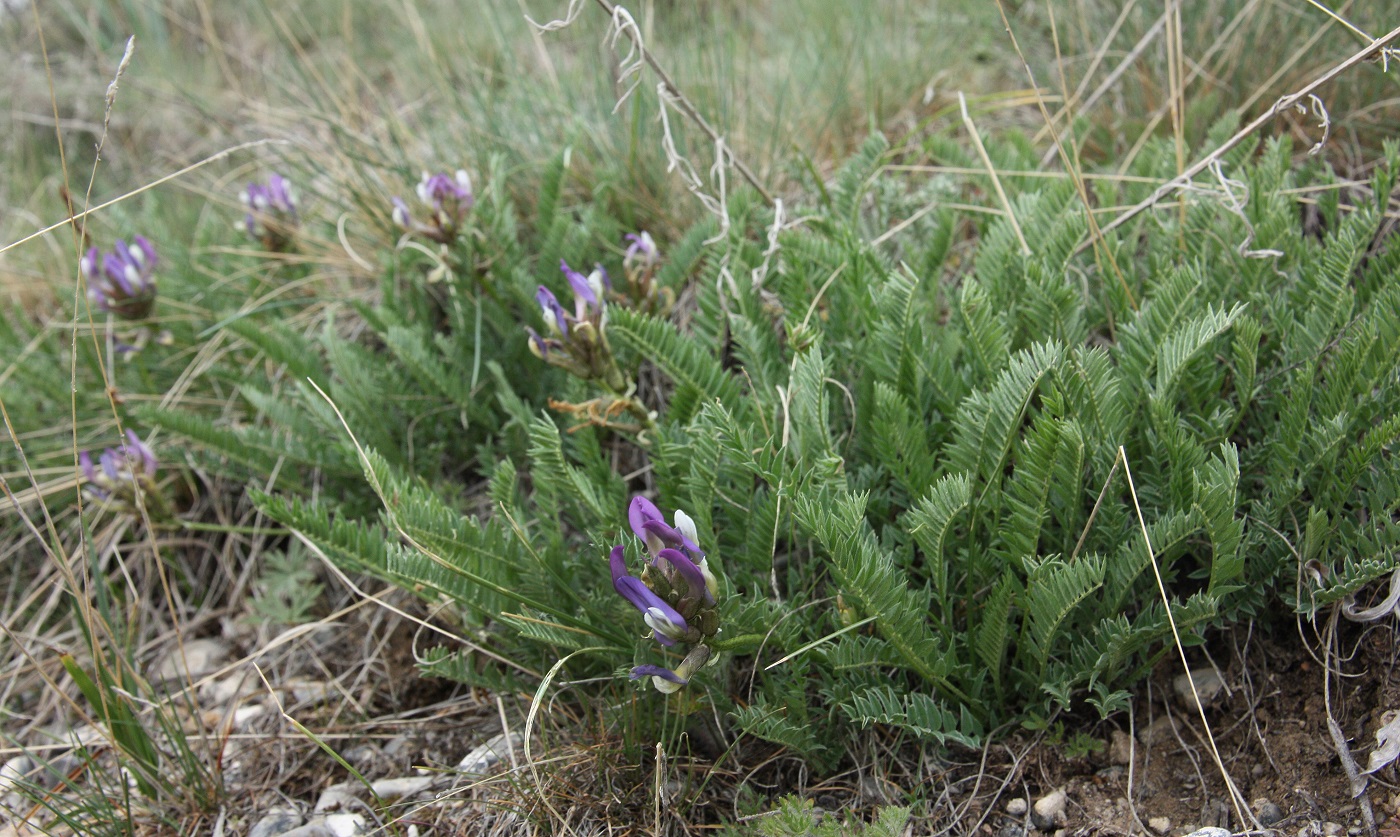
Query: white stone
point(1016, 806)
point(276, 822)
point(12, 771)
point(345, 825)
point(199, 657)
point(1161, 825)
point(389, 789)
point(1049, 811)
point(484, 758)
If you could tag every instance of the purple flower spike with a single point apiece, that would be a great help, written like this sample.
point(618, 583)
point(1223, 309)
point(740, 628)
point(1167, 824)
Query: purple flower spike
point(272, 215)
point(121, 473)
point(447, 199)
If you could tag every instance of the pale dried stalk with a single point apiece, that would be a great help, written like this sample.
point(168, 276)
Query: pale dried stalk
point(673, 94)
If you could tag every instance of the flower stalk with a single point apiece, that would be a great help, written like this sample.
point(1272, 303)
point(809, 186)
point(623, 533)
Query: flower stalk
point(272, 217)
point(122, 282)
point(640, 263)
point(576, 340)
point(446, 199)
point(675, 593)
point(124, 478)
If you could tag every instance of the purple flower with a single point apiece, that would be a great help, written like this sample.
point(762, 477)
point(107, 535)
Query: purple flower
point(657, 671)
point(599, 280)
point(590, 292)
point(122, 282)
point(122, 472)
point(552, 312)
point(667, 680)
point(272, 213)
point(642, 252)
point(639, 511)
point(539, 346)
point(650, 526)
point(576, 341)
point(667, 625)
point(583, 291)
point(447, 199)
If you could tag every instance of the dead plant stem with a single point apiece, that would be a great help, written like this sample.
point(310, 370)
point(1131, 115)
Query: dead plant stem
point(689, 109)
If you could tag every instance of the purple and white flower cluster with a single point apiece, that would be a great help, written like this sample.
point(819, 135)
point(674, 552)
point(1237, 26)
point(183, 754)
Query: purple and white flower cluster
point(123, 475)
point(272, 213)
point(675, 593)
point(447, 199)
point(575, 340)
point(122, 282)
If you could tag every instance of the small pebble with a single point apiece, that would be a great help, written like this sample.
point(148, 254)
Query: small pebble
point(275, 823)
point(1269, 814)
point(1120, 747)
point(345, 825)
point(338, 795)
point(13, 771)
point(403, 787)
point(199, 657)
point(485, 757)
point(1016, 807)
point(1210, 831)
point(1158, 732)
point(1049, 810)
point(1013, 830)
point(1333, 829)
point(1161, 825)
point(1208, 686)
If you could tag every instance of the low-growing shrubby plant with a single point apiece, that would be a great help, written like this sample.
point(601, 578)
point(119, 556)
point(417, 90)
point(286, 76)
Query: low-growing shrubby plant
point(916, 480)
point(929, 461)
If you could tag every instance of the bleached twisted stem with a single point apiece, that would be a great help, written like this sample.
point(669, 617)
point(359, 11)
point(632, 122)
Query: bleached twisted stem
point(685, 106)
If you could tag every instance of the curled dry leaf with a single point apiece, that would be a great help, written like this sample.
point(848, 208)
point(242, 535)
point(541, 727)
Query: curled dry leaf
point(1387, 742)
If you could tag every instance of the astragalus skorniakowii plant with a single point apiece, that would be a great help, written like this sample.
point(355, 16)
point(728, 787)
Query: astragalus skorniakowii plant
point(902, 451)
